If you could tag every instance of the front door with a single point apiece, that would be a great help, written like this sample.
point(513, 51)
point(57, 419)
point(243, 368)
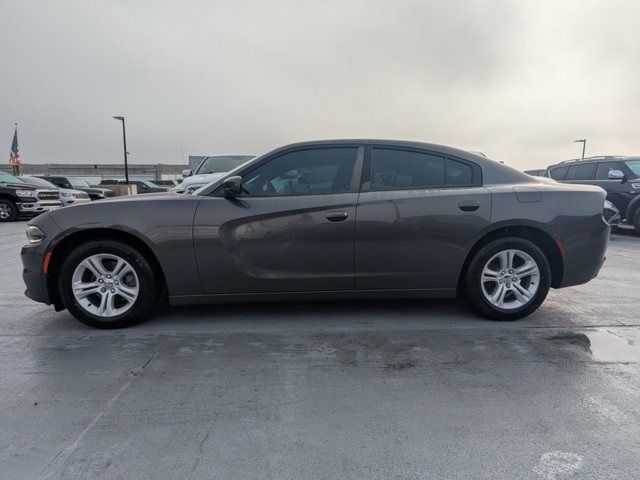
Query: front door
point(291, 231)
point(419, 213)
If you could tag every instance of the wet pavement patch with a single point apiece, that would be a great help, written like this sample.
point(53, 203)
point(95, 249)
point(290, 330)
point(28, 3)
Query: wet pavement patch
point(601, 345)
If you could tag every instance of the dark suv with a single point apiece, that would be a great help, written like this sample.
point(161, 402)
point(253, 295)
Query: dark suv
point(95, 193)
point(619, 176)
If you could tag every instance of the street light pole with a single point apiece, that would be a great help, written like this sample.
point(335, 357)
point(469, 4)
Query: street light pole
point(584, 145)
point(124, 141)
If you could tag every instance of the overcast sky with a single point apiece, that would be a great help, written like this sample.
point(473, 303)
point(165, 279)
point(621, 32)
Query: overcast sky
point(518, 80)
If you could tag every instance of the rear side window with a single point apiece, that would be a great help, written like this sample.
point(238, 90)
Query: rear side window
point(558, 173)
point(393, 169)
point(603, 169)
point(458, 173)
point(582, 171)
point(403, 169)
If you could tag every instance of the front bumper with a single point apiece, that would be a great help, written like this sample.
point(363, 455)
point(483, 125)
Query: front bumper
point(36, 281)
point(38, 207)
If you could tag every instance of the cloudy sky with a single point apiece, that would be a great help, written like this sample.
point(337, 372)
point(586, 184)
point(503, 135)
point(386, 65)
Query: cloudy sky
point(516, 79)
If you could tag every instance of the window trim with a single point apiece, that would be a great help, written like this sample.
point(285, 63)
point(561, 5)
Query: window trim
point(367, 171)
point(353, 184)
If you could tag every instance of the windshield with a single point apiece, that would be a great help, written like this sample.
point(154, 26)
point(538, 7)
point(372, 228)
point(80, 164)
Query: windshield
point(78, 182)
point(150, 184)
point(38, 182)
point(6, 178)
point(222, 163)
point(634, 165)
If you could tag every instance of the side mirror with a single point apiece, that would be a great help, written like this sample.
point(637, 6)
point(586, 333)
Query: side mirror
point(187, 172)
point(232, 186)
point(616, 175)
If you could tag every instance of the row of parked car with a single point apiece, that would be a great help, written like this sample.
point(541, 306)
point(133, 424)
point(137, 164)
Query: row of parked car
point(28, 196)
point(619, 176)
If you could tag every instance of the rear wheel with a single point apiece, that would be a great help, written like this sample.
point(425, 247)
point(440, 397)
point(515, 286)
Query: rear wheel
point(8, 211)
point(507, 279)
point(108, 284)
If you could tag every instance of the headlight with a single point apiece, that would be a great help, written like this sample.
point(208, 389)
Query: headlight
point(67, 195)
point(635, 186)
point(608, 204)
point(26, 193)
point(34, 234)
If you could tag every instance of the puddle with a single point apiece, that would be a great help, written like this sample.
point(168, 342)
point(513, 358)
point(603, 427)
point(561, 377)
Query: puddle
point(601, 345)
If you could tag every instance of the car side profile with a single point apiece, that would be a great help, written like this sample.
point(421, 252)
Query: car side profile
point(343, 219)
point(618, 176)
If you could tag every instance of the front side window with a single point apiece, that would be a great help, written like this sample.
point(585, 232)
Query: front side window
point(581, 171)
point(603, 169)
point(303, 172)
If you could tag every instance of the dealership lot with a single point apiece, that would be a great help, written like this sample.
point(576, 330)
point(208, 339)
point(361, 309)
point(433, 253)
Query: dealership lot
point(394, 389)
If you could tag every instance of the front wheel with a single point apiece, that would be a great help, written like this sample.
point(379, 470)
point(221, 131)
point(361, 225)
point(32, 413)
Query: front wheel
point(507, 279)
point(8, 211)
point(108, 284)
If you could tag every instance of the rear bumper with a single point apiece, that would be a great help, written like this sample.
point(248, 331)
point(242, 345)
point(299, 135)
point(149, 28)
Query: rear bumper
point(584, 246)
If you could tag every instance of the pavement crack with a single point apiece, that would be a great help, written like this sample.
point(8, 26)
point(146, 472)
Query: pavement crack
point(61, 458)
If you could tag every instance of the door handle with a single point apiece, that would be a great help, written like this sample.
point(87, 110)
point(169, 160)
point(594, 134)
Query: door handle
point(337, 216)
point(468, 206)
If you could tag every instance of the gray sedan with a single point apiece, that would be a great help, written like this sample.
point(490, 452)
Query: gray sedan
point(325, 220)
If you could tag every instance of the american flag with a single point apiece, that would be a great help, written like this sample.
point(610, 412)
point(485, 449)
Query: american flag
point(14, 156)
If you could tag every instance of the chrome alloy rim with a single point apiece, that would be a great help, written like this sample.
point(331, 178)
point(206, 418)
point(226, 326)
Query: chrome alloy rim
point(510, 279)
point(5, 211)
point(105, 285)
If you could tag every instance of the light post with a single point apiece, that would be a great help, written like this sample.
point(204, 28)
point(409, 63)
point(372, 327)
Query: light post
point(124, 141)
point(584, 145)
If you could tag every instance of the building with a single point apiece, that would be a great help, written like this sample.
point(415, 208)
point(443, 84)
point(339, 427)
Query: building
point(94, 173)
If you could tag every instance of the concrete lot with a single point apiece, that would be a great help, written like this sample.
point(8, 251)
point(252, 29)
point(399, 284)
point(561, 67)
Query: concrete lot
point(367, 390)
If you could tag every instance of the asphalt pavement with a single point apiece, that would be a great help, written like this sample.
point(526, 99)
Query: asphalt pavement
point(344, 390)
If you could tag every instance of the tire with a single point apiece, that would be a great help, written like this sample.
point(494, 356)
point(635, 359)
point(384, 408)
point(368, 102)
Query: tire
point(477, 289)
point(8, 211)
point(102, 309)
point(636, 222)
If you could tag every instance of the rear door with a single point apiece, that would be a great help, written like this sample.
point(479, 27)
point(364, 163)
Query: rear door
point(419, 213)
point(291, 231)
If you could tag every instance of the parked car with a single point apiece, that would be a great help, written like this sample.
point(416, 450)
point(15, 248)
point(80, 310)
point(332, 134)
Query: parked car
point(20, 199)
point(95, 193)
point(143, 186)
point(210, 169)
point(68, 196)
point(536, 173)
point(619, 176)
point(611, 214)
point(166, 183)
point(324, 220)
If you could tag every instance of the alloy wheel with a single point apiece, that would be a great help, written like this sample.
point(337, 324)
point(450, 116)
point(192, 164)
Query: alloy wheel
point(5, 211)
point(510, 279)
point(105, 285)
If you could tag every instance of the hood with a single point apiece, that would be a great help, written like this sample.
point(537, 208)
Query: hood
point(19, 186)
point(71, 191)
point(199, 179)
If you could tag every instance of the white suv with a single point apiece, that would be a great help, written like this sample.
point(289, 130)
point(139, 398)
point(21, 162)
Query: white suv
point(210, 169)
